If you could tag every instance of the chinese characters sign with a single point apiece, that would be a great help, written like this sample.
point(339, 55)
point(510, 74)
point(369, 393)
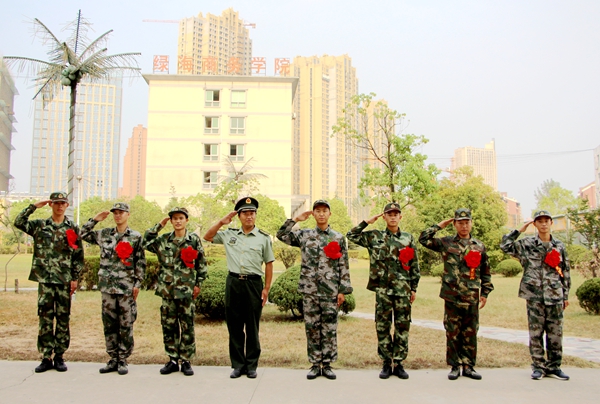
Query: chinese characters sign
point(210, 65)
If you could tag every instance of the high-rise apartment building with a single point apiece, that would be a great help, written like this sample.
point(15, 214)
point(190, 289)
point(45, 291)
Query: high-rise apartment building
point(134, 167)
point(589, 193)
point(219, 45)
point(513, 210)
point(97, 137)
point(7, 119)
point(483, 162)
point(323, 166)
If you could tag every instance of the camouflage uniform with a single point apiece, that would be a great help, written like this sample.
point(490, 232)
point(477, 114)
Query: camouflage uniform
point(545, 292)
point(116, 281)
point(461, 294)
point(393, 286)
point(321, 280)
point(54, 265)
point(176, 284)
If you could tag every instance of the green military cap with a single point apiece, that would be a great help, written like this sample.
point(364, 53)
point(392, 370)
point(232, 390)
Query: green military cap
point(178, 210)
point(541, 213)
point(321, 202)
point(120, 206)
point(59, 197)
point(392, 207)
point(462, 214)
point(246, 203)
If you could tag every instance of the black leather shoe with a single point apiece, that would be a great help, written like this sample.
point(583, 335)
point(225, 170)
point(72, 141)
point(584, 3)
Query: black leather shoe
point(122, 368)
point(400, 372)
point(314, 372)
point(468, 371)
point(111, 366)
point(454, 373)
point(59, 364)
point(385, 372)
point(186, 368)
point(328, 372)
point(169, 367)
point(45, 365)
point(252, 374)
point(236, 373)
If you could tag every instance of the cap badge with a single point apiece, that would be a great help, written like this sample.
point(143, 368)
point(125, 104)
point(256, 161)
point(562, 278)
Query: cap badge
point(248, 200)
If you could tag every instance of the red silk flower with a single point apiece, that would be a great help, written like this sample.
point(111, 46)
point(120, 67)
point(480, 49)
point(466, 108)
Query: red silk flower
point(473, 259)
point(406, 254)
point(72, 239)
point(333, 250)
point(124, 250)
point(553, 259)
point(188, 255)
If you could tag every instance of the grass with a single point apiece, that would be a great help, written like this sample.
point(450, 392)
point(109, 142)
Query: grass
point(282, 338)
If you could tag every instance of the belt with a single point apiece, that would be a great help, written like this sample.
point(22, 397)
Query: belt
point(244, 277)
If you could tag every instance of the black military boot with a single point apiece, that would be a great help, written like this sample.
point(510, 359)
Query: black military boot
point(111, 366)
point(186, 368)
point(468, 371)
point(454, 373)
point(122, 368)
point(314, 372)
point(328, 372)
point(170, 367)
point(59, 363)
point(400, 372)
point(386, 371)
point(45, 365)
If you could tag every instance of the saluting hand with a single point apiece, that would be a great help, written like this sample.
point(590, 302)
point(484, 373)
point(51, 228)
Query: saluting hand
point(228, 218)
point(164, 222)
point(445, 223)
point(525, 226)
point(373, 219)
point(42, 203)
point(303, 216)
point(101, 216)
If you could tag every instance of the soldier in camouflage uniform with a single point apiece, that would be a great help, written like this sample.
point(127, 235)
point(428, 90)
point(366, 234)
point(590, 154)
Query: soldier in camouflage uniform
point(182, 271)
point(56, 265)
point(546, 290)
point(466, 282)
point(394, 277)
point(122, 266)
point(324, 280)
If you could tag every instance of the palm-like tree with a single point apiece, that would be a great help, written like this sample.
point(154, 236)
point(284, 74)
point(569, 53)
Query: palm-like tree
point(68, 63)
point(239, 181)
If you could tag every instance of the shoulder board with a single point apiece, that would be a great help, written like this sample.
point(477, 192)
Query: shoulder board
point(233, 229)
point(264, 233)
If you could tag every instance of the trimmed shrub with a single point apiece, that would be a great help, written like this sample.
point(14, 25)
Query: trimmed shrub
point(509, 268)
point(213, 250)
point(437, 270)
point(588, 295)
point(89, 275)
point(578, 254)
point(349, 305)
point(211, 300)
point(151, 274)
point(285, 253)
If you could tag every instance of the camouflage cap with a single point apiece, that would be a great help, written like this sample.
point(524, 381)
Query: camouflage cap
point(178, 210)
point(246, 203)
point(541, 213)
point(322, 202)
point(392, 207)
point(59, 197)
point(120, 206)
point(462, 214)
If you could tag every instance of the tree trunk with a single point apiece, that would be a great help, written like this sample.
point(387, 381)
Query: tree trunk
point(72, 144)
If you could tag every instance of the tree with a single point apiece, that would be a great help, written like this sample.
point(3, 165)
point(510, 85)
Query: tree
point(270, 215)
point(393, 170)
point(339, 221)
point(587, 223)
point(555, 199)
point(69, 62)
point(205, 210)
point(238, 182)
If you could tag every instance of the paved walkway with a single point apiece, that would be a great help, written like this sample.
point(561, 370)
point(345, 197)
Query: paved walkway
point(585, 348)
point(83, 384)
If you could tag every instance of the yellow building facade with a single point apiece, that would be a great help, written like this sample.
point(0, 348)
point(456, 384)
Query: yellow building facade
point(483, 161)
point(197, 122)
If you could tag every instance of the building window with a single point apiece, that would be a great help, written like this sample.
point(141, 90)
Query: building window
point(210, 179)
point(238, 99)
point(211, 125)
point(212, 98)
point(237, 126)
point(211, 152)
point(236, 152)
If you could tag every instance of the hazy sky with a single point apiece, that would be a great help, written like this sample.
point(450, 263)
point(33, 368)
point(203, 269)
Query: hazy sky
point(525, 73)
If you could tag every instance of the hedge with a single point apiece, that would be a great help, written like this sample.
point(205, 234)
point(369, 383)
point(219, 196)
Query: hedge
point(509, 267)
point(588, 295)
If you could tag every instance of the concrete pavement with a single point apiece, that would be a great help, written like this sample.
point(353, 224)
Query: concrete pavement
point(83, 384)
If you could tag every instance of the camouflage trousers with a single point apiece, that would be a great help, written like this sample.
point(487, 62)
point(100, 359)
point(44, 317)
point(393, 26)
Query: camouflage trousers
point(177, 320)
point(54, 302)
point(392, 348)
point(118, 315)
point(547, 319)
point(320, 324)
point(461, 324)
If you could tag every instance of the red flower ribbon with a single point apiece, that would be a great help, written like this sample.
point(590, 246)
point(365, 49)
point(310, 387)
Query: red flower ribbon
point(188, 255)
point(406, 254)
point(72, 239)
point(473, 259)
point(553, 259)
point(124, 250)
point(333, 250)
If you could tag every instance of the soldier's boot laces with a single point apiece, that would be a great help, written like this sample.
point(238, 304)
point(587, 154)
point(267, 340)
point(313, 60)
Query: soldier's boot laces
point(400, 372)
point(314, 372)
point(45, 365)
point(454, 373)
point(186, 368)
point(386, 371)
point(170, 367)
point(328, 372)
point(111, 366)
point(122, 368)
point(59, 364)
point(468, 371)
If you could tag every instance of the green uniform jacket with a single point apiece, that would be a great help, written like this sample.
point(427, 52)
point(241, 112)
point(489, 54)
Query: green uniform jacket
point(54, 260)
point(175, 279)
point(386, 270)
point(540, 281)
point(457, 287)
